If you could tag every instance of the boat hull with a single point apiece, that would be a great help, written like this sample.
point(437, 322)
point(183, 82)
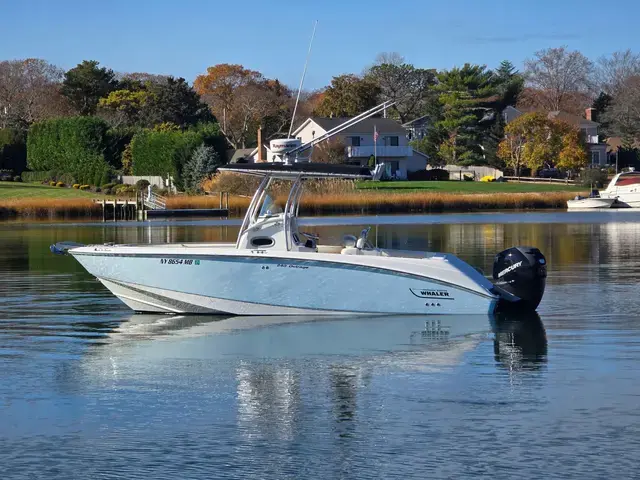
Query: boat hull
point(590, 203)
point(257, 285)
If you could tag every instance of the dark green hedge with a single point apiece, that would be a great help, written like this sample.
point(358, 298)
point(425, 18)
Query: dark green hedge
point(13, 150)
point(75, 145)
point(166, 152)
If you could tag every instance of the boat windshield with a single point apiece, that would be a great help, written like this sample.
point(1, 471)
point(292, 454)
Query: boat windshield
point(269, 207)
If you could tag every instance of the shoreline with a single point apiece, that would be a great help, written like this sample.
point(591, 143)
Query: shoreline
point(358, 203)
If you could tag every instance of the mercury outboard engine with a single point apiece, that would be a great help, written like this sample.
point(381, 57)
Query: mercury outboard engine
point(520, 275)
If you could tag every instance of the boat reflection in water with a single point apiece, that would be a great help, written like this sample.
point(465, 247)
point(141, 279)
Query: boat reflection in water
point(429, 341)
point(520, 343)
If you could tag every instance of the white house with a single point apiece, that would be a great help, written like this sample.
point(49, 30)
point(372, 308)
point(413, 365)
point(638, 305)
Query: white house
point(588, 129)
point(392, 146)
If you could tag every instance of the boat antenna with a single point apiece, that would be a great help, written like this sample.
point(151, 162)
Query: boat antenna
point(304, 72)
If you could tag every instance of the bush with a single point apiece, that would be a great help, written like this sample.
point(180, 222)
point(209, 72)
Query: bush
point(488, 178)
point(142, 184)
point(60, 184)
point(96, 189)
point(435, 174)
point(13, 150)
point(167, 152)
point(72, 146)
point(593, 176)
point(76, 185)
point(85, 187)
point(467, 177)
point(52, 183)
point(17, 178)
point(108, 186)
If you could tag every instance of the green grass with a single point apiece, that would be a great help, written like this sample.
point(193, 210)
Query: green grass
point(20, 190)
point(468, 187)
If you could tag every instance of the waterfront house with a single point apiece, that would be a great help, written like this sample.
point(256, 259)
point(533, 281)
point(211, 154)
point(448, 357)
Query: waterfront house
point(391, 147)
point(588, 127)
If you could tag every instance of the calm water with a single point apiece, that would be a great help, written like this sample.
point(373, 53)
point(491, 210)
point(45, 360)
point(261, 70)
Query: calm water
point(88, 390)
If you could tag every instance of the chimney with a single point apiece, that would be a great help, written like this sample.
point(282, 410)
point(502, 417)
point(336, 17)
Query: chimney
point(260, 148)
point(590, 114)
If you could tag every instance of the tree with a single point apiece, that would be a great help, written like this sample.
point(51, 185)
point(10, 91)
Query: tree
point(534, 140)
point(404, 84)
point(573, 153)
point(85, 84)
point(348, 96)
point(30, 92)
point(151, 102)
point(556, 74)
point(243, 100)
point(463, 94)
point(623, 115)
point(202, 165)
point(614, 71)
point(509, 84)
point(526, 142)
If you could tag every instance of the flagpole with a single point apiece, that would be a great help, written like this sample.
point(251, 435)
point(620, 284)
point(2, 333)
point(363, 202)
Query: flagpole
point(375, 145)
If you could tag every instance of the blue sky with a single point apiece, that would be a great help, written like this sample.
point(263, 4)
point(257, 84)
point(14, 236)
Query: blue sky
point(183, 38)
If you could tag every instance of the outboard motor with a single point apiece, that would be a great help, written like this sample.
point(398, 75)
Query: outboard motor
point(520, 272)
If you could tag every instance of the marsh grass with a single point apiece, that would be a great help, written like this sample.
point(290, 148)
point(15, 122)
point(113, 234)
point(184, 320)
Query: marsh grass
point(52, 208)
point(358, 202)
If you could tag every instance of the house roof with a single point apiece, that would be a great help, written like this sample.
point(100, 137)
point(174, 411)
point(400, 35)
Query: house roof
point(566, 117)
point(383, 125)
point(419, 120)
point(234, 155)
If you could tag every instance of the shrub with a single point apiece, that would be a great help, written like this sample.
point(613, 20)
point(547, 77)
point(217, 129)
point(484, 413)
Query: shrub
point(429, 175)
point(52, 183)
point(167, 152)
point(467, 177)
point(17, 178)
point(85, 187)
point(73, 146)
point(76, 185)
point(142, 184)
point(108, 186)
point(488, 178)
point(13, 150)
point(593, 176)
point(60, 184)
point(96, 189)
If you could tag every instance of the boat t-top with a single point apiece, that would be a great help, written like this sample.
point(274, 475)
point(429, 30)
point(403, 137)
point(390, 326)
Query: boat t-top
point(274, 268)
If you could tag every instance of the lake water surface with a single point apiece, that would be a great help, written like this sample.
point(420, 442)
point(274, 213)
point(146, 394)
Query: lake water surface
point(89, 390)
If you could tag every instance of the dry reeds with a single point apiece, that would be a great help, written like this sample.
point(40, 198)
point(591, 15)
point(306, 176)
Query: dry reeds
point(370, 202)
point(50, 208)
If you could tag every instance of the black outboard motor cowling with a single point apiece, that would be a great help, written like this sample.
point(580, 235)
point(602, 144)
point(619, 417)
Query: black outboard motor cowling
point(522, 272)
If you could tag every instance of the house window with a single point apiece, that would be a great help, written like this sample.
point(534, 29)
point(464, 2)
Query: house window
point(595, 158)
point(392, 141)
point(355, 141)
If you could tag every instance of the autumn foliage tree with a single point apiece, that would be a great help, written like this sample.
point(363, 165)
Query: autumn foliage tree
point(533, 140)
point(244, 100)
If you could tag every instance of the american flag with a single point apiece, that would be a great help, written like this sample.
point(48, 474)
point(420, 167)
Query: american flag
point(375, 134)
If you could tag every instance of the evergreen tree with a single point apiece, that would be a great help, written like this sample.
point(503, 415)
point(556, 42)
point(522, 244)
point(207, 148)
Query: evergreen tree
point(203, 163)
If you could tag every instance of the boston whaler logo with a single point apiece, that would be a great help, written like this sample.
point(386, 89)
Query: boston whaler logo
point(426, 293)
point(509, 269)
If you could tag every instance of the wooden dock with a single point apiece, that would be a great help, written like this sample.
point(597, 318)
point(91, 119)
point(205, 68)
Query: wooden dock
point(118, 209)
point(137, 209)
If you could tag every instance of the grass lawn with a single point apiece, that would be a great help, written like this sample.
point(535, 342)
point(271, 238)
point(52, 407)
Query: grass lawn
point(468, 187)
point(20, 190)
